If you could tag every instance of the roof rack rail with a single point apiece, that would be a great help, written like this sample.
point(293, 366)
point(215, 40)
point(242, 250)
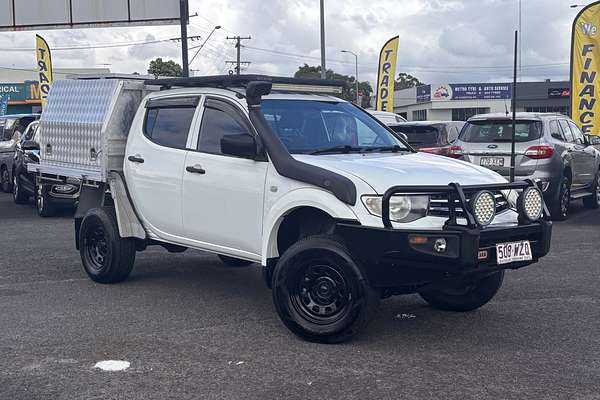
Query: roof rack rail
point(241, 81)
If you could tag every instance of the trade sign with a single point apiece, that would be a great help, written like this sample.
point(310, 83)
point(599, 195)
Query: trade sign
point(386, 74)
point(44, 64)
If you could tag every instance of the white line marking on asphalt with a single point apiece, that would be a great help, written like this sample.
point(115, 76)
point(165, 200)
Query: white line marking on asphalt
point(112, 365)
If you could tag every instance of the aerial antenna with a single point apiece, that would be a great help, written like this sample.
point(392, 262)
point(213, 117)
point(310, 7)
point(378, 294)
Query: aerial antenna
point(514, 111)
point(506, 108)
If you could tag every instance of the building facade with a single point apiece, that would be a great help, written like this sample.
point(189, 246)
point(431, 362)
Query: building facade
point(20, 89)
point(459, 102)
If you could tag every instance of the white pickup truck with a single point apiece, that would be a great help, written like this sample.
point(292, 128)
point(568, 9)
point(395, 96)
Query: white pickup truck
point(337, 210)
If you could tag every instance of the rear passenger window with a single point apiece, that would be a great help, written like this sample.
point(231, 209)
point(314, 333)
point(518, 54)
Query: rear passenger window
point(555, 131)
point(566, 130)
point(169, 126)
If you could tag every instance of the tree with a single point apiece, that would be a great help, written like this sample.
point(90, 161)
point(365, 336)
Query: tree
point(159, 67)
point(349, 89)
point(406, 81)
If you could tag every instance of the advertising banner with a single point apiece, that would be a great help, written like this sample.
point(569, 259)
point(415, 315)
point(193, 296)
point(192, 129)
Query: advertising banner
point(386, 74)
point(44, 63)
point(585, 59)
point(464, 91)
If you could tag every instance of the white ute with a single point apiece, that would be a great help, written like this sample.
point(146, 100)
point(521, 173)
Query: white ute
point(276, 171)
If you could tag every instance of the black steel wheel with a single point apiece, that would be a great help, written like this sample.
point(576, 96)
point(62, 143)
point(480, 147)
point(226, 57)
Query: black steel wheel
point(18, 196)
point(319, 291)
point(467, 296)
point(106, 257)
point(5, 180)
point(593, 201)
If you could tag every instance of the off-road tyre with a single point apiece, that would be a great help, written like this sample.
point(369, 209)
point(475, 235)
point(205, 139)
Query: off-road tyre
point(319, 291)
point(5, 184)
point(234, 262)
point(468, 297)
point(106, 257)
point(18, 196)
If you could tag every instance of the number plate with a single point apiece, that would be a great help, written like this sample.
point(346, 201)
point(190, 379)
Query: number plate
point(492, 162)
point(507, 253)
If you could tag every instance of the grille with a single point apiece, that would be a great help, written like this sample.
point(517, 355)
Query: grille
point(438, 205)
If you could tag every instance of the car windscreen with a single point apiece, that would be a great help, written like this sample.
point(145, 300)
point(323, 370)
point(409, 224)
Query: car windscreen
point(486, 131)
point(307, 126)
point(419, 135)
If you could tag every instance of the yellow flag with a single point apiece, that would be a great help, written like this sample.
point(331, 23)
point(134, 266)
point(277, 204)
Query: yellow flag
point(585, 69)
point(44, 64)
point(386, 74)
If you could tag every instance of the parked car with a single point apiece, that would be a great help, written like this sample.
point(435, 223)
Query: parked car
point(549, 147)
point(11, 128)
point(388, 118)
point(435, 137)
point(338, 211)
point(48, 197)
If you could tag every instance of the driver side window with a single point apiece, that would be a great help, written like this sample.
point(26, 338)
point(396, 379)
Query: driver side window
point(218, 120)
point(578, 137)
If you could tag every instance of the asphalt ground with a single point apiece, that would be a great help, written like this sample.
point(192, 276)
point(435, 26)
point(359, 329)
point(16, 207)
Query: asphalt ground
point(194, 329)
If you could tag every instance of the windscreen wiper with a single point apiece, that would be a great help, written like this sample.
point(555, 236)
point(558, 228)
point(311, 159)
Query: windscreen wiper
point(344, 149)
point(394, 149)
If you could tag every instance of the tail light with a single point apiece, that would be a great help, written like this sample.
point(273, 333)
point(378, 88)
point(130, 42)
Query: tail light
point(455, 152)
point(433, 150)
point(539, 152)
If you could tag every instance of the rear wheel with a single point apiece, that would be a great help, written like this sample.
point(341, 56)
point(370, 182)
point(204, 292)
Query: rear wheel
point(5, 180)
point(106, 256)
point(560, 208)
point(593, 201)
point(18, 196)
point(234, 262)
point(43, 202)
point(466, 297)
point(319, 291)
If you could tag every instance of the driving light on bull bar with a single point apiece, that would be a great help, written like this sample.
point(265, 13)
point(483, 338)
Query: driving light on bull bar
point(403, 208)
point(483, 207)
point(531, 204)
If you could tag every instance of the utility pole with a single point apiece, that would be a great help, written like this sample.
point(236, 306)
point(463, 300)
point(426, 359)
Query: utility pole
point(183, 17)
point(238, 46)
point(521, 38)
point(323, 66)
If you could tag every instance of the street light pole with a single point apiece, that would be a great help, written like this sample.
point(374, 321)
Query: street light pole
point(355, 76)
point(202, 45)
point(323, 66)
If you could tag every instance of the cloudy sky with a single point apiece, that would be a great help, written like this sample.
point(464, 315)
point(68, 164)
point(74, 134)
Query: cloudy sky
point(440, 40)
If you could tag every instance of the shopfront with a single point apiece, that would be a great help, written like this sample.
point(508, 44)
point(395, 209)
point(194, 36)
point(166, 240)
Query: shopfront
point(20, 98)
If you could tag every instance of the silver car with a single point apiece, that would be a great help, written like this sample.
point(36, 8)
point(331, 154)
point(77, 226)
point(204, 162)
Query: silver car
point(549, 147)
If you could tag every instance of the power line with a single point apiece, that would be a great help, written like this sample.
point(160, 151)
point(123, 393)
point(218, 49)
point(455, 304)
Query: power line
point(103, 46)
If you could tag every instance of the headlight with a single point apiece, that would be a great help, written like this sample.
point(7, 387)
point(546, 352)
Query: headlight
point(403, 208)
point(531, 203)
point(483, 207)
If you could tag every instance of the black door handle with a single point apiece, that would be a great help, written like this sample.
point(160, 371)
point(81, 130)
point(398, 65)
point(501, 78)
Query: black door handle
point(136, 159)
point(196, 169)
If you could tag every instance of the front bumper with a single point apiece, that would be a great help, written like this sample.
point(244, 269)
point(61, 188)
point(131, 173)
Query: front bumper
point(406, 261)
point(390, 260)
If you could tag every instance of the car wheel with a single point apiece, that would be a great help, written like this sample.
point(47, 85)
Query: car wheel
point(319, 291)
point(560, 208)
point(5, 180)
point(234, 262)
point(18, 196)
point(43, 202)
point(593, 201)
point(467, 297)
point(106, 256)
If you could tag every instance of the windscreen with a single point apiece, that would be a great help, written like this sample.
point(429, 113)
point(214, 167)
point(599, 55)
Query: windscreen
point(419, 135)
point(307, 126)
point(500, 131)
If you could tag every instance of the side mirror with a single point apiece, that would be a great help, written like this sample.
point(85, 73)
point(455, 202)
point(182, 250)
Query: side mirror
point(402, 136)
point(241, 145)
point(29, 145)
point(593, 140)
point(557, 136)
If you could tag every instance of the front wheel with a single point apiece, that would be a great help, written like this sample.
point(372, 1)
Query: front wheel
point(466, 297)
point(593, 201)
point(319, 291)
point(106, 256)
point(5, 180)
